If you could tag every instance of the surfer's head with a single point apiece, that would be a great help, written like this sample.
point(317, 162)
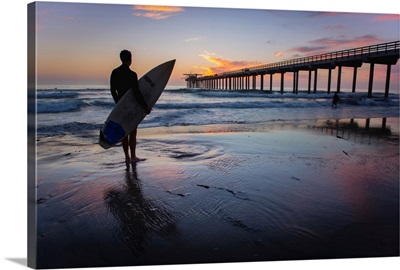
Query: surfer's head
point(126, 57)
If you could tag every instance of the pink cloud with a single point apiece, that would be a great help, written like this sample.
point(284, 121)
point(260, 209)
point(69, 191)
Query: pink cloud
point(325, 14)
point(307, 49)
point(43, 16)
point(335, 27)
point(387, 17)
point(329, 44)
point(224, 65)
point(344, 42)
point(156, 12)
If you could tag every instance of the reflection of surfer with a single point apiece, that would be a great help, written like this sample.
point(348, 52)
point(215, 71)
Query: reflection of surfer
point(335, 100)
point(123, 78)
point(137, 215)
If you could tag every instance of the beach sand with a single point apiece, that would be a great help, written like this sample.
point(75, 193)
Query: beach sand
point(222, 193)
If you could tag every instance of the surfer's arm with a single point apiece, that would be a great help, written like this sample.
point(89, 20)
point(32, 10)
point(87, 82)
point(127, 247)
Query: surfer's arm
point(113, 88)
point(114, 95)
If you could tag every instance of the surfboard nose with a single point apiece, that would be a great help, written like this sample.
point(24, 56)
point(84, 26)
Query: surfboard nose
point(170, 64)
point(166, 68)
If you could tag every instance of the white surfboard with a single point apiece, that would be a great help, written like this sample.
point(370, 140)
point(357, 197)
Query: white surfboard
point(128, 113)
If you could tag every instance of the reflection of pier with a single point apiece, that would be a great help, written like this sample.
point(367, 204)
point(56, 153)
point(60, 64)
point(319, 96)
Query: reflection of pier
point(358, 129)
point(385, 54)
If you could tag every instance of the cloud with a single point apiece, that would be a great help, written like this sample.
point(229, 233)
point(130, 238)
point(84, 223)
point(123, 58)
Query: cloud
point(387, 17)
point(193, 39)
point(307, 49)
point(335, 27)
point(323, 14)
point(225, 65)
point(328, 44)
point(156, 12)
point(346, 42)
point(44, 16)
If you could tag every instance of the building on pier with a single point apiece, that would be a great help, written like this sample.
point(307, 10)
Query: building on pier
point(191, 80)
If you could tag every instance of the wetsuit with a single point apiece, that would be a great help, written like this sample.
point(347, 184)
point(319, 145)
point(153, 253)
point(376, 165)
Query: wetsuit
point(123, 78)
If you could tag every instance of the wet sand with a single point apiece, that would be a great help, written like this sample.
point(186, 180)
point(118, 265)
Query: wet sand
point(226, 193)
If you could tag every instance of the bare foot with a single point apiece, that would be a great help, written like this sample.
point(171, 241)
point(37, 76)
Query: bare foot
point(136, 159)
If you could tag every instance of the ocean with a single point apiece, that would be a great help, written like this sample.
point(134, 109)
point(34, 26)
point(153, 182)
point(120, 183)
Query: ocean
point(80, 110)
point(229, 176)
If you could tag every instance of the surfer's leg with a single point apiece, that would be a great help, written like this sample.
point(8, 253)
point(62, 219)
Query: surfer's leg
point(132, 144)
point(125, 146)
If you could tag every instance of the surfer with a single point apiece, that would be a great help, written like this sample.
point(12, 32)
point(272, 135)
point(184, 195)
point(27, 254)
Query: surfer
point(335, 100)
point(123, 78)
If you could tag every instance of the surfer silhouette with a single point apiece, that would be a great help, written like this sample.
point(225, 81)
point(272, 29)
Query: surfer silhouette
point(122, 78)
point(335, 100)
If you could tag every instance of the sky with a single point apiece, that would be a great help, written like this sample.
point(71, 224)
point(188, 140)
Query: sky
point(79, 44)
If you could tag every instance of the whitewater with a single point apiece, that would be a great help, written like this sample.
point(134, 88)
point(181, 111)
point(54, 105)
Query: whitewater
point(82, 110)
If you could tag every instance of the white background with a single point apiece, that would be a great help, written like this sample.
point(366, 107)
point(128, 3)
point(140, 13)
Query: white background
point(13, 128)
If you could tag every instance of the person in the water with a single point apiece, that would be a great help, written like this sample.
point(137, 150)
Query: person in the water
point(335, 100)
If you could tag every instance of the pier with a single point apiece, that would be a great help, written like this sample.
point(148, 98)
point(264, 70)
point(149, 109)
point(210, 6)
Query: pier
point(378, 54)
